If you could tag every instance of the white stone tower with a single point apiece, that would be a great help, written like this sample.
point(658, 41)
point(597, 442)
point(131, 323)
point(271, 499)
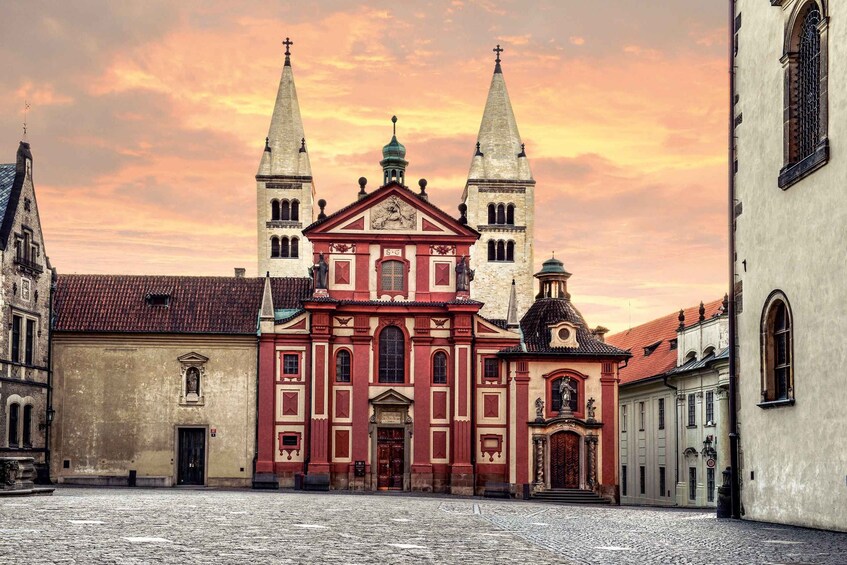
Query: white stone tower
point(285, 189)
point(499, 195)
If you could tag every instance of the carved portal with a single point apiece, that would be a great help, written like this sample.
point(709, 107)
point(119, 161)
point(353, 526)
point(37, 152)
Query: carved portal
point(393, 214)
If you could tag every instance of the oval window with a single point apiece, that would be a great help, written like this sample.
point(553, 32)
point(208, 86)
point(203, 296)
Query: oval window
point(564, 334)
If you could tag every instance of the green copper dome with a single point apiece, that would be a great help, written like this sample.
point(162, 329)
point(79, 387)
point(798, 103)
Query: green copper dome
point(553, 266)
point(393, 158)
point(394, 149)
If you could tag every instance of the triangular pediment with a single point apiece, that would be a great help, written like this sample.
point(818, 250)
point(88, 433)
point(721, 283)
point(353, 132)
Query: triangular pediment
point(392, 209)
point(192, 359)
point(391, 398)
point(488, 329)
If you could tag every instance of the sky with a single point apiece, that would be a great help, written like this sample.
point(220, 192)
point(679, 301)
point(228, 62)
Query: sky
point(147, 122)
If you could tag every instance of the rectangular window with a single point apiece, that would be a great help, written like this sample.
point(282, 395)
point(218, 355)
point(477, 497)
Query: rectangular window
point(491, 368)
point(290, 364)
point(17, 323)
point(14, 413)
point(27, 439)
point(692, 483)
point(623, 418)
point(710, 406)
point(692, 411)
point(641, 416)
point(393, 275)
point(710, 484)
point(662, 484)
point(623, 480)
point(642, 480)
point(30, 341)
point(661, 413)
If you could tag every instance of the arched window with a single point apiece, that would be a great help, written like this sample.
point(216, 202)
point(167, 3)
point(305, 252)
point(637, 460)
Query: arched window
point(295, 247)
point(492, 250)
point(510, 214)
point(492, 214)
point(510, 251)
point(556, 395)
point(14, 414)
point(295, 211)
point(274, 246)
point(393, 276)
point(284, 210)
point(501, 214)
point(283, 247)
point(806, 96)
point(501, 251)
point(27, 426)
point(778, 377)
point(439, 368)
point(274, 209)
point(392, 355)
point(342, 366)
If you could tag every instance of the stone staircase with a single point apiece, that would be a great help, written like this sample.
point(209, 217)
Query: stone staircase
point(569, 496)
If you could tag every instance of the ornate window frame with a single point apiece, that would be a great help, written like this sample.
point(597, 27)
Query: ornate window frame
point(797, 166)
point(193, 362)
point(550, 391)
point(406, 350)
point(767, 346)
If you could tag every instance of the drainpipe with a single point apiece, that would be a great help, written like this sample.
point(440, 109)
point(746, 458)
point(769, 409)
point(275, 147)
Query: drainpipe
point(258, 384)
point(676, 429)
point(735, 490)
point(49, 422)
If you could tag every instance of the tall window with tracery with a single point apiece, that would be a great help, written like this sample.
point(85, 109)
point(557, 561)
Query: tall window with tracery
point(393, 275)
point(392, 355)
point(439, 368)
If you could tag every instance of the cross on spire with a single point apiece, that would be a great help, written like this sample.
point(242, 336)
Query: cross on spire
point(498, 50)
point(26, 109)
point(288, 43)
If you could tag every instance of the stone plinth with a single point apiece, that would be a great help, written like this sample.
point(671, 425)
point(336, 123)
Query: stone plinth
point(17, 477)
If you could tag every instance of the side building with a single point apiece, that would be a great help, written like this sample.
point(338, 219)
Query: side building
point(155, 379)
point(26, 281)
point(789, 113)
point(673, 436)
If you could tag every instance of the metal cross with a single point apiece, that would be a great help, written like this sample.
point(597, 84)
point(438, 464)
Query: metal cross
point(26, 108)
point(498, 50)
point(288, 43)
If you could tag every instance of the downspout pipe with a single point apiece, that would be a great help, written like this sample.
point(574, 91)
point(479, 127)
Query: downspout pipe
point(735, 490)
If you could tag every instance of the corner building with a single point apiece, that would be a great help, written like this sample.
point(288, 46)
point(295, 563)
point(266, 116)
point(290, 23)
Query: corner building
point(388, 376)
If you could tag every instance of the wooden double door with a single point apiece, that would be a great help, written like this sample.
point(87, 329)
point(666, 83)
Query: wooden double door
point(191, 457)
point(565, 470)
point(390, 453)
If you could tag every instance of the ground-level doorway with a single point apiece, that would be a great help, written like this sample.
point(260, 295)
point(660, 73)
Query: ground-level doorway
point(565, 460)
point(191, 456)
point(390, 449)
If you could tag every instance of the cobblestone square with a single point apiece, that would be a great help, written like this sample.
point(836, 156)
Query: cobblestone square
point(217, 526)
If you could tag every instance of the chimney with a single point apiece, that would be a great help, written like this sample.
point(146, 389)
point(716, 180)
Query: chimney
point(240, 272)
point(600, 333)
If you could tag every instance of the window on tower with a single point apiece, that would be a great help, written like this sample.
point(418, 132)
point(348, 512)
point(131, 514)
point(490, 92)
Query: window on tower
point(510, 214)
point(274, 209)
point(295, 210)
point(492, 214)
point(510, 251)
point(501, 214)
point(295, 247)
point(501, 250)
point(284, 210)
point(275, 247)
point(283, 247)
point(492, 250)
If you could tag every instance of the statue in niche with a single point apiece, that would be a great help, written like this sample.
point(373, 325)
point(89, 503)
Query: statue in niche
point(192, 382)
point(393, 214)
point(590, 409)
point(464, 274)
point(565, 391)
point(320, 272)
point(539, 410)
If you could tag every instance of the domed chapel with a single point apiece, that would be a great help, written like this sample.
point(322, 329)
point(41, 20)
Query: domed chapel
point(398, 346)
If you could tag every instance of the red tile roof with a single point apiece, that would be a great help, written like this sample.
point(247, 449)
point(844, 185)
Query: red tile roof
point(118, 303)
point(662, 330)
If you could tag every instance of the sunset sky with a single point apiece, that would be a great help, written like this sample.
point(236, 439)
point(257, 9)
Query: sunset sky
point(148, 119)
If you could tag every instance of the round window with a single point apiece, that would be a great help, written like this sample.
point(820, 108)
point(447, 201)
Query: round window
point(564, 334)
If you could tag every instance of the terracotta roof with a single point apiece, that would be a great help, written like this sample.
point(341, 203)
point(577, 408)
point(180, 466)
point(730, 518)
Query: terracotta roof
point(546, 312)
point(656, 334)
point(196, 305)
point(289, 291)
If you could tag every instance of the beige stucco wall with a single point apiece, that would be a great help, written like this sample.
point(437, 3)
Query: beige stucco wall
point(794, 241)
point(119, 402)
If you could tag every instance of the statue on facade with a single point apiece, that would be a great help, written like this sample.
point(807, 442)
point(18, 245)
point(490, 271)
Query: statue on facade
point(539, 410)
point(320, 272)
point(590, 409)
point(565, 392)
point(464, 274)
point(192, 381)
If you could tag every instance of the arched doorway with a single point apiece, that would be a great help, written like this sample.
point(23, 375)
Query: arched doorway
point(565, 469)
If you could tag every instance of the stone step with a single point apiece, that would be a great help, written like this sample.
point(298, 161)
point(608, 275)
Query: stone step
point(569, 496)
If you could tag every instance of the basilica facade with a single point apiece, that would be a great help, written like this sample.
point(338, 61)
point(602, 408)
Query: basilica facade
point(387, 344)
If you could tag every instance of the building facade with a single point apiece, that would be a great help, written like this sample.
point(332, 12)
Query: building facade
point(26, 282)
point(673, 434)
point(789, 249)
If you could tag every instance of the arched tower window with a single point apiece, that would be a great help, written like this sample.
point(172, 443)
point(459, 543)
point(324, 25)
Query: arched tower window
point(510, 214)
point(439, 368)
point(510, 251)
point(805, 63)
point(492, 214)
point(284, 210)
point(501, 250)
point(342, 366)
point(501, 214)
point(492, 250)
point(295, 247)
point(295, 211)
point(275, 246)
point(283, 247)
point(274, 209)
point(392, 355)
point(777, 362)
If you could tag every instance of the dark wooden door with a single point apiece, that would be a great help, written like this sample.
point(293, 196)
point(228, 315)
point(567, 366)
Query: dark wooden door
point(191, 467)
point(564, 460)
point(390, 457)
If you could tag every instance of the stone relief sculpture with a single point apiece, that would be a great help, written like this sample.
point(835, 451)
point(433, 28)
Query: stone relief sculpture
point(393, 214)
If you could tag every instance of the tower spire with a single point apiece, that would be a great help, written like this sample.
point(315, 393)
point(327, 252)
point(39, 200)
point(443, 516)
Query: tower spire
point(498, 50)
